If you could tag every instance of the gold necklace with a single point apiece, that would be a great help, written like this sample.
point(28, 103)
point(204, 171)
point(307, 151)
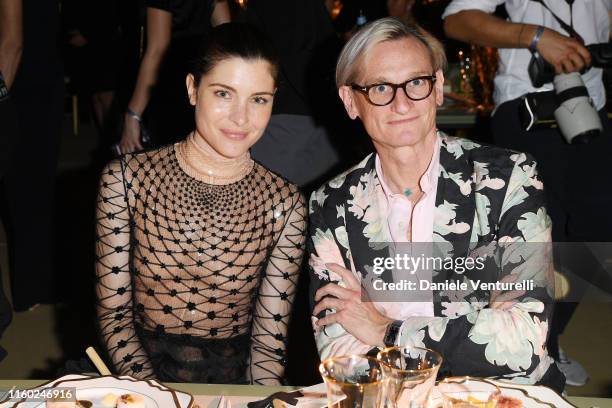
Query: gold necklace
point(198, 160)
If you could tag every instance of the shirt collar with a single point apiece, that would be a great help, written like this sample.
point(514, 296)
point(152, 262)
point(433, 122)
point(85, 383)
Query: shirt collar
point(428, 179)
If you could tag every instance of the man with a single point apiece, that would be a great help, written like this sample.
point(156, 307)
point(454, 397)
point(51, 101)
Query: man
point(424, 186)
point(573, 174)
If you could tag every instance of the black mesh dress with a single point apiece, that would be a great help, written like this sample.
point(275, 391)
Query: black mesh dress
point(196, 280)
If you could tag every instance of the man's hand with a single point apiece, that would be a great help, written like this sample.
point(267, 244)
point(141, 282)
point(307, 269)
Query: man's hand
point(360, 319)
point(505, 300)
point(566, 54)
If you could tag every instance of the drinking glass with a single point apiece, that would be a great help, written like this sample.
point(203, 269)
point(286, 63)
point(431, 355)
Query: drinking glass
point(409, 375)
point(359, 377)
point(468, 392)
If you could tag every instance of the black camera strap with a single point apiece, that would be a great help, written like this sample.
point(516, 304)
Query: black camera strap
point(571, 93)
point(567, 27)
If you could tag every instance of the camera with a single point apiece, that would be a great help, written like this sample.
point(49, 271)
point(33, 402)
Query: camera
point(578, 119)
point(569, 105)
point(541, 72)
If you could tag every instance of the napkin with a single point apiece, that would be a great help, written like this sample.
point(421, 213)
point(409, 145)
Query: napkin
point(290, 398)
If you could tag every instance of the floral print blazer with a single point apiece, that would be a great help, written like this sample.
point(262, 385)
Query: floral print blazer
point(485, 194)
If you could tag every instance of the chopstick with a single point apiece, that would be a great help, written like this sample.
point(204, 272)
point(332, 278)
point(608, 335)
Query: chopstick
point(224, 402)
point(97, 361)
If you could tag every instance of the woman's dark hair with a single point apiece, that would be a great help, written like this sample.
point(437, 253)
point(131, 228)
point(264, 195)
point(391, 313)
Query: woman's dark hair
point(232, 40)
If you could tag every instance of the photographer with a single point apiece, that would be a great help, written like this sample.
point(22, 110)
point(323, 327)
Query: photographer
point(575, 174)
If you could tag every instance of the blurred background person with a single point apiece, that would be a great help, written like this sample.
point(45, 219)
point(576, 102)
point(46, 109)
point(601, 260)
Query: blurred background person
point(574, 174)
point(95, 51)
point(402, 9)
point(299, 143)
point(37, 91)
point(356, 13)
point(11, 40)
point(174, 30)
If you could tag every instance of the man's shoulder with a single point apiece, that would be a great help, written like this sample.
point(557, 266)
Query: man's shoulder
point(345, 179)
point(336, 189)
point(477, 154)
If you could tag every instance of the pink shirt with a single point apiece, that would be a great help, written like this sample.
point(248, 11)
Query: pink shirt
point(400, 215)
point(408, 223)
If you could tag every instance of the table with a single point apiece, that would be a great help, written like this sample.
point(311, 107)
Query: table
point(207, 390)
point(455, 117)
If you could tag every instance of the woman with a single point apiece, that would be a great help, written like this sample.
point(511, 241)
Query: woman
point(174, 30)
point(424, 186)
point(198, 247)
point(96, 50)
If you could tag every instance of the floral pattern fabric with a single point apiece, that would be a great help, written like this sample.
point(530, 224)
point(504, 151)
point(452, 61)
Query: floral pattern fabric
point(485, 195)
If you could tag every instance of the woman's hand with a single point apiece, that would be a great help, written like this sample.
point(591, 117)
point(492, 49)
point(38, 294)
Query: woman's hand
point(159, 34)
point(359, 318)
point(130, 138)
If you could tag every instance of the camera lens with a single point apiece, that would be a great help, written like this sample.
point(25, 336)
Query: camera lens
point(578, 120)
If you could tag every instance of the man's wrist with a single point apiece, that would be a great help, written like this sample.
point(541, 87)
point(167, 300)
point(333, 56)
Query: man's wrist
point(392, 333)
point(535, 39)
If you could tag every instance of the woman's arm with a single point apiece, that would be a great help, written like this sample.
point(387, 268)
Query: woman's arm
point(275, 297)
point(114, 286)
point(159, 31)
point(220, 14)
point(11, 39)
point(323, 248)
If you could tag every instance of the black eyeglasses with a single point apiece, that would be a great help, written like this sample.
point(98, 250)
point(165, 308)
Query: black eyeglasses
point(383, 93)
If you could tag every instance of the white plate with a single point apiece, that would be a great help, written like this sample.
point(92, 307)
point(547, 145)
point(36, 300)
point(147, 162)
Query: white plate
point(532, 396)
point(315, 396)
point(95, 388)
point(536, 396)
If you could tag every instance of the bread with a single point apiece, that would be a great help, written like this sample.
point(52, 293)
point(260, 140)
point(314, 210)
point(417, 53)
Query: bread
point(110, 400)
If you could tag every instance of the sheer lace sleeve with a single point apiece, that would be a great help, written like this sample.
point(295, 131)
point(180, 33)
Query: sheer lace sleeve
point(275, 296)
point(114, 286)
